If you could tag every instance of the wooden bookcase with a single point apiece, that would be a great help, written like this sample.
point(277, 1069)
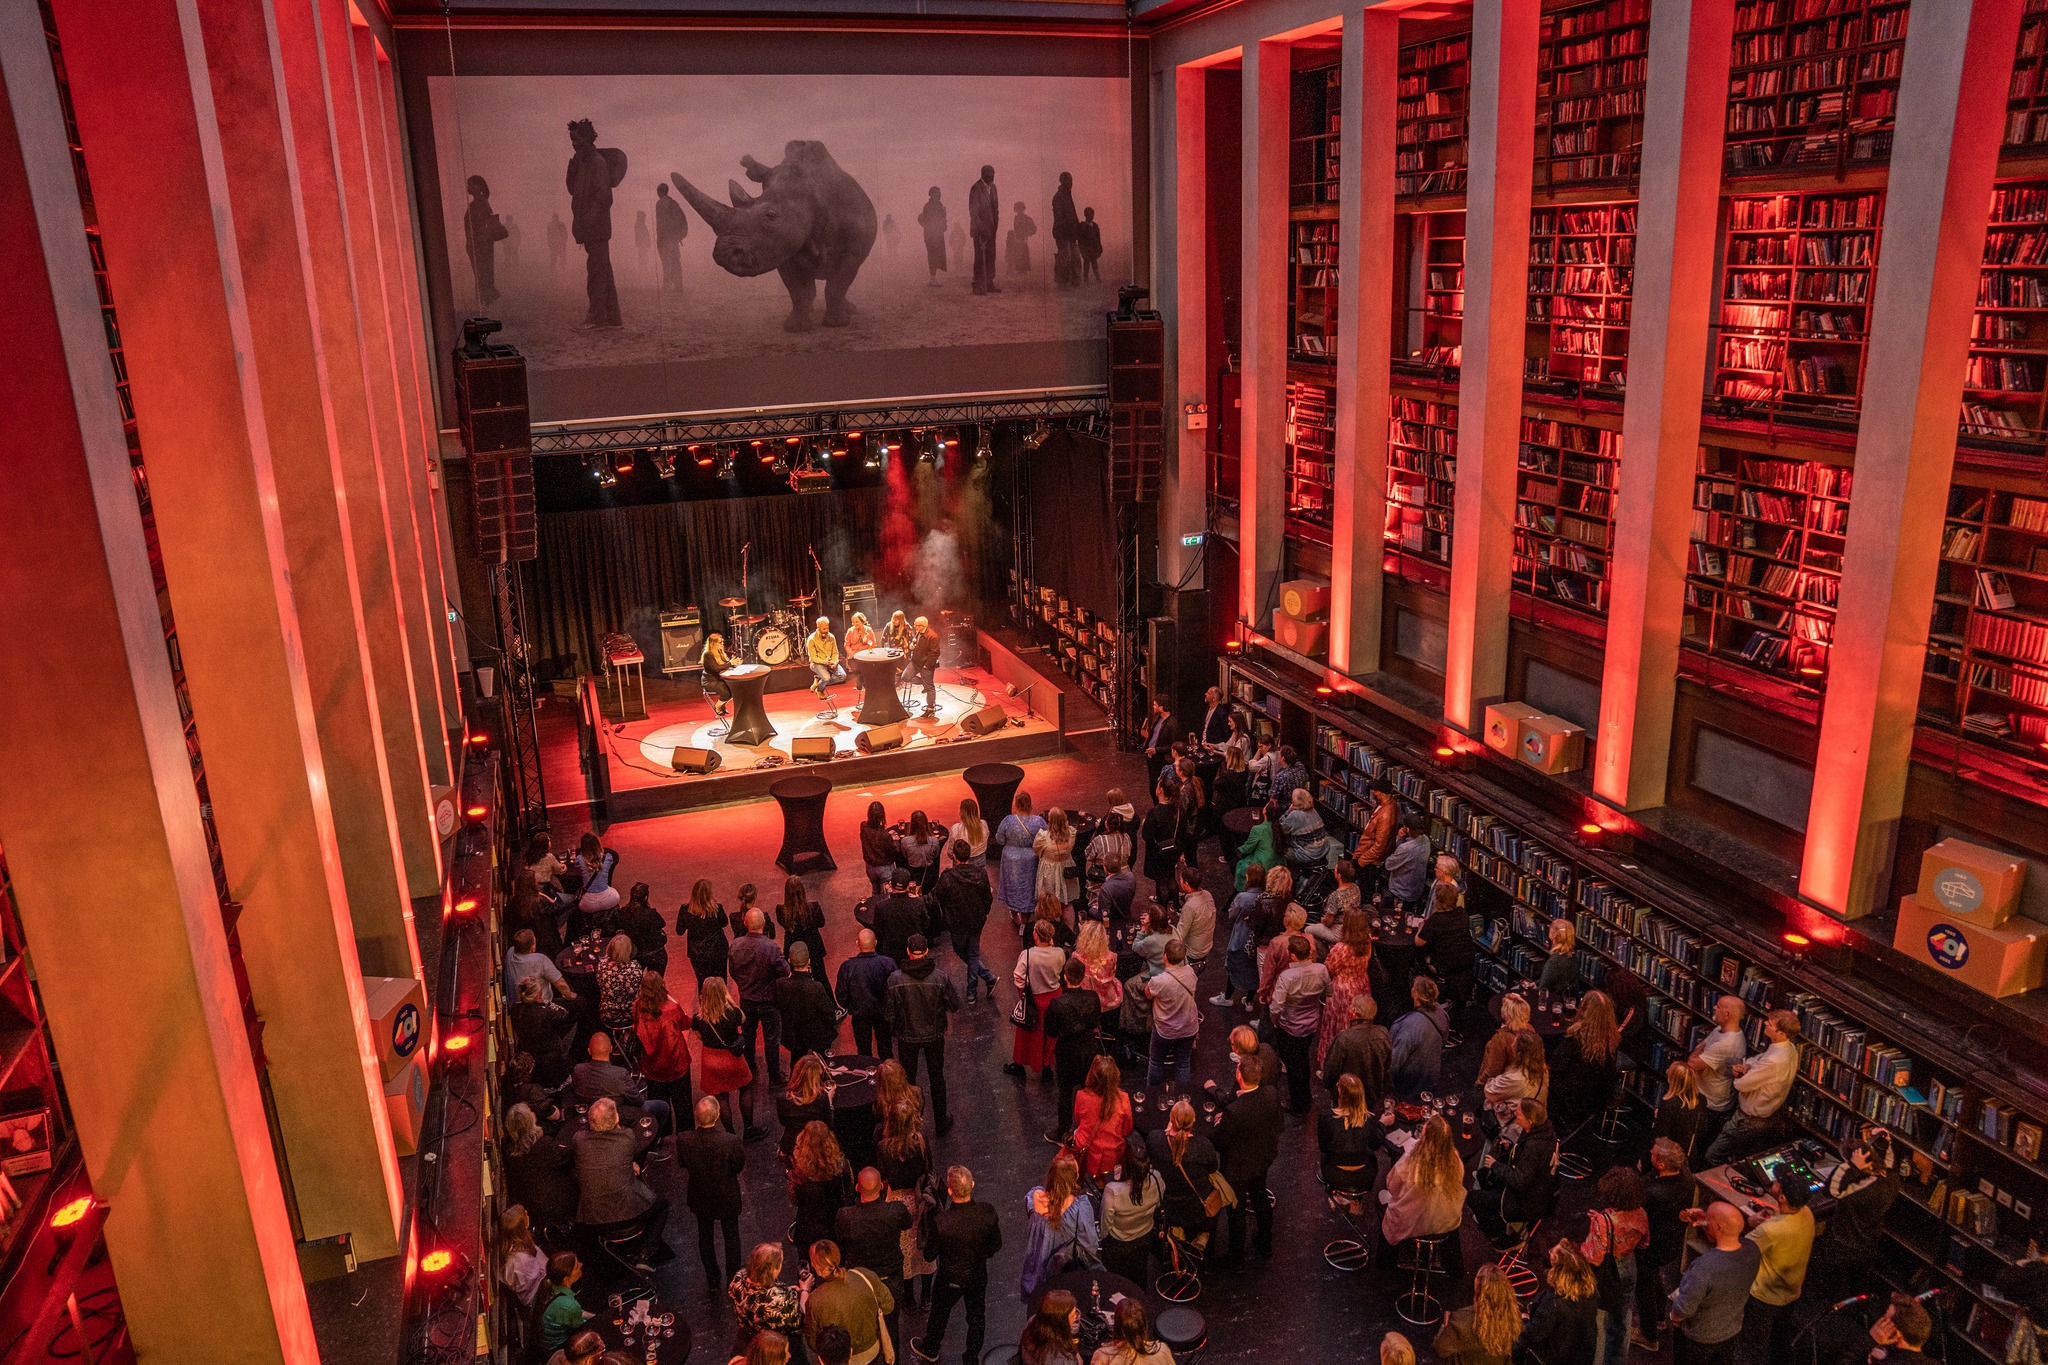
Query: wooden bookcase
point(1581, 271)
point(1564, 512)
point(1311, 451)
point(1813, 84)
point(1796, 283)
point(1764, 567)
point(1433, 88)
point(2026, 105)
point(1313, 146)
point(1312, 302)
point(1987, 651)
point(1080, 642)
point(1422, 466)
point(1436, 324)
point(2003, 388)
point(1591, 60)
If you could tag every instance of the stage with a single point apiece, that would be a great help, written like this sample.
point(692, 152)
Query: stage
point(630, 758)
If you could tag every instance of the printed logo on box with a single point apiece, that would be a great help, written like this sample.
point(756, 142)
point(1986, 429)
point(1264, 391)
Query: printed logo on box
point(1947, 946)
point(1958, 890)
point(1532, 745)
point(405, 1030)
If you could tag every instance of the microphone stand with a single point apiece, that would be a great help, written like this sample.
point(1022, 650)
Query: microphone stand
point(1816, 1320)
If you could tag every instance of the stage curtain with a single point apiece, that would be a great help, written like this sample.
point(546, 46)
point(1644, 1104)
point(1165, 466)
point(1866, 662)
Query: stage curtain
point(616, 568)
point(1073, 548)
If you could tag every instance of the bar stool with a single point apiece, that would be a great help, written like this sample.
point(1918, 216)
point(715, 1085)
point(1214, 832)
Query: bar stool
point(1418, 1305)
point(1183, 1330)
point(1351, 1253)
point(1183, 1283)
point(1514, 1263)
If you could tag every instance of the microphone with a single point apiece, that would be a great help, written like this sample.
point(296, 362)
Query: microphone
point(1926, 1294)
point(1852, 1302)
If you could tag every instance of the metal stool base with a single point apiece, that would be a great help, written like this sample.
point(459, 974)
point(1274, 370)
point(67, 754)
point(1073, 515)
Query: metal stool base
point(1179, 1286)
point(1347, 1254)
point(1419, 1307)
point(1572, 1166)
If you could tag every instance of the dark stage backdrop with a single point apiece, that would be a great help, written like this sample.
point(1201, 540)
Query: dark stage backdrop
point(615, 569)
point(1073, 527)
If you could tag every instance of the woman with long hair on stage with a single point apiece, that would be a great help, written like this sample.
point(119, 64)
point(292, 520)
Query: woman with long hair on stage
point(710, 670)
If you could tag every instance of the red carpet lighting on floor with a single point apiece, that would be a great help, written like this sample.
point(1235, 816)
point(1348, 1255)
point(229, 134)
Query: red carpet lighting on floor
point(71, 1213)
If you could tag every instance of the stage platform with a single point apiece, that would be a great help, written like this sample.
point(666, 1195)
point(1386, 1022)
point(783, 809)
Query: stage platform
point(630, 757)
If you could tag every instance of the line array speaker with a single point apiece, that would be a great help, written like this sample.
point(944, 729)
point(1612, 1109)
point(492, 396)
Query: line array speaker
point(877, 739)
point(1137, 411)
point(490, 400)
point(688, 760)
point(501, 498)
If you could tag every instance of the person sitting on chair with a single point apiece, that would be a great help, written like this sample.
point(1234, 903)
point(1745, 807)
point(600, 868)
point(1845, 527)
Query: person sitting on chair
point(924, 664)
point(859, 636)
point(823, 652)
point(612, 1196)
point(709, 670)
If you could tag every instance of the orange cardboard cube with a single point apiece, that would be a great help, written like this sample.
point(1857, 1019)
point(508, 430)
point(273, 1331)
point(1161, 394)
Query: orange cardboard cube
point(1997, 961)
point(1980, 884)
point(1504, 720)
point(1551, 745)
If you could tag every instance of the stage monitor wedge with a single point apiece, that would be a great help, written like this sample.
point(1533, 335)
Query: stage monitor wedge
point(686, 759)
point(986, 721)
point(810, 748)
point(877, 739)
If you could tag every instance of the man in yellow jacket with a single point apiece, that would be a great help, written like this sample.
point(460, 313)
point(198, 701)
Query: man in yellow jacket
point(823, 652)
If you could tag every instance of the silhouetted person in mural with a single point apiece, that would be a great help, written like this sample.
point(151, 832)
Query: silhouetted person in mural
point(558, 242)
point(511, 241)
point(671, 225)
point(594, 172)
point(1022, 230)
point(984, 218)
point(1066, 234)
point(1090, 245)
point(481, 233)
point(932, 218)
point(643, 240)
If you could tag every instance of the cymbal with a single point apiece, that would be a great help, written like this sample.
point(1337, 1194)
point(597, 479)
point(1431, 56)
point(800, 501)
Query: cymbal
point(732, 601)
point(803, 601)
point(752, 620)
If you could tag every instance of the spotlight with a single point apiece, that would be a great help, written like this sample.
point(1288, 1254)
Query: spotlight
point(982, 453)
point(593, 467)
point(1036, 437)
point(624, 464)
point(927, 445)
point(873, 458)
point(434, 1262)
point(606, 476)
point(456, 1042)
point(71, 1214)
point(665, 465)
point(725, 462)
point(702, 456)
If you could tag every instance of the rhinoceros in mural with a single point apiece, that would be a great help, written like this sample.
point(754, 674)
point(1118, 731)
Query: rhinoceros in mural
point(812, 221)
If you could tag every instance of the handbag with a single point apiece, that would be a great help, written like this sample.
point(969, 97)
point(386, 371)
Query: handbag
point(1025, 1013)
point(1221, 1195)
point(881, 1318)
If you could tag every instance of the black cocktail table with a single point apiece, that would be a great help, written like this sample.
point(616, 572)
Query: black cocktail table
point(879, 704)
point(802, 799)
point(994, 786)
point(750, 723)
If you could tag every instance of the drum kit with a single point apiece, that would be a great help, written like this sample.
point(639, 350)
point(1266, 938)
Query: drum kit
point(772, 637)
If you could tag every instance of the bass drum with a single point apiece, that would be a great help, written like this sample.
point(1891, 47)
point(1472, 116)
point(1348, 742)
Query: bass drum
point(773, 647)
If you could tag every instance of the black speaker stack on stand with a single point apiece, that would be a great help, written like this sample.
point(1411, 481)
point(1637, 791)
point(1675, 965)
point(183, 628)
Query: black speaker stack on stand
point(1137, 456)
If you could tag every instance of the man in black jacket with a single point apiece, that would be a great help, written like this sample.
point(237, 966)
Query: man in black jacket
point(1070, 1021)
point(1247, 1141)
point(919, 999)
point(1669, 1191)
point(1364, 1049)
point(863, 980)
point(544, 1029)
point(966, 1236)
point(964, 897)
point(924, 664)
point(869, 1232)
point(1523, 1188)
point(810, 1021)
point(713, 1158)
point(899, 914)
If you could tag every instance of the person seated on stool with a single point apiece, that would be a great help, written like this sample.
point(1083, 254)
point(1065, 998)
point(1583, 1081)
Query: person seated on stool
point(601, 1078)
point(896, 635)
point(1520, 1189)
point(823, 652)
point(612, 1196)
point(860, 636)
point(710, 670)
point(924, 664)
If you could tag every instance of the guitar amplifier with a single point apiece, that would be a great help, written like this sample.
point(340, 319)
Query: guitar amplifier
point(682, 639)
point(858, 596)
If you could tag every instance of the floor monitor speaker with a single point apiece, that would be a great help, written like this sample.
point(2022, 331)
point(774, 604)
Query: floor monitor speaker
point(878, 739)
point(688, 760)
point(986, 721)
point(811, 748)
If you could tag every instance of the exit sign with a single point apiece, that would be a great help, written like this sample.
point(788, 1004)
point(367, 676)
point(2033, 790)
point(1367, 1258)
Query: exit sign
point(1192, 540)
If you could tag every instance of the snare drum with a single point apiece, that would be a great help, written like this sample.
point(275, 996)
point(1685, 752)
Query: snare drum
point(773, 647)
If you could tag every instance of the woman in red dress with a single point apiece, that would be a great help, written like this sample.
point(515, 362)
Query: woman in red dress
point(1350, 964)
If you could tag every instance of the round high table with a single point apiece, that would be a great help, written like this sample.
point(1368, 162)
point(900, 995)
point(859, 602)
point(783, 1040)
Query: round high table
point(852, 1076)
point(750, 723)
point(802, 799)
point(994, 786)
point(1090, 1288)
point(879, 704)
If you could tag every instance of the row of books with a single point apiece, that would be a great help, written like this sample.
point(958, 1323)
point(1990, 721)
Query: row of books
point(2003, 373)
point(2014, 637)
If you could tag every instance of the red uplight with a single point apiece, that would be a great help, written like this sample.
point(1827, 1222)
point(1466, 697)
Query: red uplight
point(1798, 941)
point(1325, 690)
point(479, 739)
point(1232, 646)
point(1589, 828)
point(476, 812)
point(1446, 751)
point(72, 1212)
point(457, 1042)
point(1811, 670)
point(465, 906)
point(434, 1262)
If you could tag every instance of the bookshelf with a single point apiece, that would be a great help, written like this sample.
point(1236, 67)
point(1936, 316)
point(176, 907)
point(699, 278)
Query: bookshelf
point(1590, 64)
point(1763, 571)
point(1422, 462)
point(1431, 92)
point(1581, 271)
point(1813, 84)
point(2002, 394)
point(1311, 451)
point(1436, 326)
point(1987, 653)
point(2026, 104)
point(1313, 146)
point(1564, 512)
point(1312, 302)
point(1796, 287)
point(1081, 643)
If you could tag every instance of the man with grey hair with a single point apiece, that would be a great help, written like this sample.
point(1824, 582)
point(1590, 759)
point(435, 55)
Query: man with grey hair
point(755, 964)
point(965, 1237)
point(611, 1195)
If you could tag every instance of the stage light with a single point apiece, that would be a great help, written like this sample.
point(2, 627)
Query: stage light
point(606, 477)
point(1036, 437)
point(702, 456)
point(982, 452)
point(1798, 941)
point(1590, 829)
point(480, 739)
point(437, 1262)
point(873, 459)
point(71, 1214)
point(624, 464)
point(1325, 690)
point(593, 467)
point(456, 1042)
point(665, 466)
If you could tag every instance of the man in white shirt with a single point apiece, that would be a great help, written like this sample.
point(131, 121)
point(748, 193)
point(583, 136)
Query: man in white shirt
point(1761, 1086)
point(522, 960)
point(1196, 925)
point(1715, 1060)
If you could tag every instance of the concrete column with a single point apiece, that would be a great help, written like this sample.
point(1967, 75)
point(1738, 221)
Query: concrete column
point(408, 463)
point(1187, 473)
point(1660, 425)
point(177, 109)
point(1503, 143)
point(1944, 159)
point(1365, 335)
point(393, 667)
point(1262, 327)
point(105, 846)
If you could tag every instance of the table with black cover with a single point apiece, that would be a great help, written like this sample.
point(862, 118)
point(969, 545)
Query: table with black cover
point(879, 704)
point(994, 786)
point(1087, 1287)
point(671, 1349)
point(802, 798)
point(750, 723)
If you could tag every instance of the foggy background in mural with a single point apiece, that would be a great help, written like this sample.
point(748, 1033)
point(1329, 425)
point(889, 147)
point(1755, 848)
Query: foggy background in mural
point(717, 340)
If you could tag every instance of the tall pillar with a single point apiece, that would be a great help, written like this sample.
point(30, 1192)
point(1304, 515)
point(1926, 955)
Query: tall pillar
point(1187, 473)
point(1944, 159)
point(1365, 335)
point(1502, 126)
point(1262, 328)
point(393, 666)
point(105, 846)
point(1670, 306)
point(189, 200)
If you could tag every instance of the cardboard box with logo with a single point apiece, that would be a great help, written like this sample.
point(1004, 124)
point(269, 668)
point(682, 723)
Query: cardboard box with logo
point(1997, 960)
point(1979, 884)
point(1551, 745)
point(1504, 721)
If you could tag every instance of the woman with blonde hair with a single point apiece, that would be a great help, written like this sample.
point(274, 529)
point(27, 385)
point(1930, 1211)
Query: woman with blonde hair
point(973, 831)
point(1680, 1115)
point(1350, 964)
point(1102, 1118)
point(1500, 1048)
point(1017, 870)
point(1054, 846)
point(1060, 1233)
point(1586, 1067)
point(1348, 1137)
point(1560, 974)
point(760, 1301)
point(526, 1265)
point(1484, 1333)
point(905, 1162)
point(1561, 1328)
point(722, 1068)
point(618, 985)
point(1425, 1194)
point(1185, 1160)
point(1091, 945)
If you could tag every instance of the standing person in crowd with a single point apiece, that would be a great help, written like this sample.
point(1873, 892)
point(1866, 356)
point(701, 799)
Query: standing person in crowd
point(1715, 1059)
point(1527, 1077)
point(1680, 1115)
point(1446, 933)
point(899, 914)
point(1784, 1243)
point(805, 1100)
point(1585, 1071)
point(1408, 864)
point(1350, 967)
point(760, 1301)
point(1900, 1334)
point(1191, 814)
point(1418, 1038)
point(966, 1235)
point(1561, 974)
point(703, 925)
point(1098, 959)
point(1666, 1194)
point(1245, 1042)
point(1247, 1143)
point(803, 921)
point(965, 899)
point(1130, 1213)
point(1500, 1048)
point(1232, 791)
point(972, 828)
point(1396, 1349)
point(1070, 1022)
point(1054, 846)
point(863, 987)
point(1863, 1188)
point(1486, 1331)
point(820, 1184)
point(1195, 925)
point(1631, 1007)
point(1298, 996)
point(755, 964)
point(855, 1301)
point(1151, 944)
point(919, 850)
point(1518, 1178)
point(713, 1160)
point(1363, 1050)
point(1424, 1194)
point(1112, 839)
point(1051, 1337)
point(919, 999)
point(642, 923)
point(810, 1021)
point(1561, 1322)
point(1176, 1018)
point(1103, 1119)
point(869, 1234)
point(1017, 871)
point(1038, 976)
point(1060, 1228)
point(1615, 1229)
point(662, 1029)
point(1119, 890)
point(1762, 1085)
point(1240, 964)
point(877, 847)
point(1215, 728)
point(1158, 740)
point(1160, 835)
point(723, 1071)
point(1707, 1307)
point(1185, 1160)
point(1376, 837)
